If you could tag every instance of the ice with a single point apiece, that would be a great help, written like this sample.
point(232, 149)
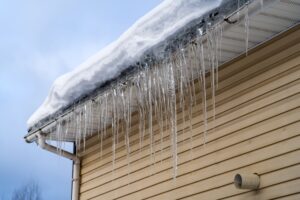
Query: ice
point(238, 9)
point(247, 24)
point(209, 56)
point(213, 37)
point(262, 3)
point(114, 127)
point(173, 119)
point(150, 30)
point(150, 111)
point(159, 89)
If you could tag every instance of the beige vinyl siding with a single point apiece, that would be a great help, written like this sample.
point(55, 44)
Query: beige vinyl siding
point(257, 130)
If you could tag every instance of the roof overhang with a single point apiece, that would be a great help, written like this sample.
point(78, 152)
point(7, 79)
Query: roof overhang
point(250, 25)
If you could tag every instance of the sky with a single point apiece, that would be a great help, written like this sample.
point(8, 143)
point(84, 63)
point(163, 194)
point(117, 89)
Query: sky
point(39, 41)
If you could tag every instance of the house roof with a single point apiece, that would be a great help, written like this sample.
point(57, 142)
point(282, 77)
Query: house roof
point(152, 29)
point(244, 23)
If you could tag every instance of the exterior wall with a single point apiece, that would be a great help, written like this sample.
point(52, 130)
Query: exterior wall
point(257, 130)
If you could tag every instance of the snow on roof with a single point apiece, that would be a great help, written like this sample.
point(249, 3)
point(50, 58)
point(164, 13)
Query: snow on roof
point(152, 29)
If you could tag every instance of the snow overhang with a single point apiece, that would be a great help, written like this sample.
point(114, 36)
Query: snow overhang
point(266, 19)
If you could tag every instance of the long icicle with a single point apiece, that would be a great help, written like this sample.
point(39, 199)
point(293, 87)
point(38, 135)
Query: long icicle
point(114, 132)
point(150, 113)
point(203, 91)
point(247, 24)
point(173, 120)
point(153, 95)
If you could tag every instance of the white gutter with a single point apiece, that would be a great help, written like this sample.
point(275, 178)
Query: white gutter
point(76, 162)
point(34, 135)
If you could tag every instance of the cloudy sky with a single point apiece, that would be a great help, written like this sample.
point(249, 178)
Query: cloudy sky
point(39, 41)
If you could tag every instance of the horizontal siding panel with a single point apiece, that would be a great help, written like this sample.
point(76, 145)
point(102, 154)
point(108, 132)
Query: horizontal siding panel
point(273, 192)
point(208, 183)
point(295, 196)
point(216, 145)
point(287, 7)
point(235, 125)
point(223, 165)
point(241, 154)
point(290, 90)
point(266, 127)
point(257, 129)
point(284, 178)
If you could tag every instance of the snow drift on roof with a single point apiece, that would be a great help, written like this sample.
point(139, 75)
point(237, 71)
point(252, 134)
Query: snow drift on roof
point(150, 30)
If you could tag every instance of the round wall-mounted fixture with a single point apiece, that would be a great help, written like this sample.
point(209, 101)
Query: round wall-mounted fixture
point(246, 181)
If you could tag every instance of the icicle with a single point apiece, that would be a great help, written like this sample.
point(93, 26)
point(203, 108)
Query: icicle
point(67, 127)
point(80, 127)
point(85, 126)
point(219, 51)
point(262, 3)
point(116, 114)
point(106, 114)
point(126, 116)
point(192, 66)
point(59, 137)
point(203, 91)
point(152, 94)
point(247, 23)
point(91, 117)
point(181, 88)
point(113, 152)
point(200, 31)
point(77, 129)
point(238, 10)
point(114, 131)
point(159, 103)
point(140, 105)
point(129, 112)
point(173, 119)
point(211, 56)
point(196, 54)
point(189, 88)
point(101, 125)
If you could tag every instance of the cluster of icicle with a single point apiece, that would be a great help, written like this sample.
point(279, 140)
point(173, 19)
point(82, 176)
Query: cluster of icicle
point(156, 94)
point(159, 90)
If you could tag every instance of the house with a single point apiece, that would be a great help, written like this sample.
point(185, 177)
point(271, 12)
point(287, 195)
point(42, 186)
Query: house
point(209, 112)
